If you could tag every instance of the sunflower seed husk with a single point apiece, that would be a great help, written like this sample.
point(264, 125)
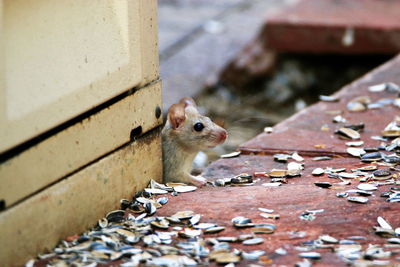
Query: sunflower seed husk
point(229, 239)
point(189, 233)
point(274, 184)
point(263, 228)
point(360, 192)
point(294, 169)
point(397, 231)
point(204, 225)
point(231, 155)
point(384, 232)
point(369, 157)
point(268, 130)
point(103, 223)
point(282, 157)
point(338, 119)
point(362, 200)
point(328, 239)
point(242, 222)
point(377, 88)
point(270, 216)
point(265, 210)
point(321, 158)
point(195, 219)
point(253, 241)
point(184, 188)
point(392, 129)
point(213, 230)
point(162, 200)
point(323, 184)
point(356, 152)
point(356, 106)
point(162, 224)
point(327, 98)
point(368, 168)
point(297, 157)
point(182, 215)
point(155, 191)
point(394, 240)
point(252, 255)
point(367, 187)
point(383, 223)
point(310, 255)
point(115, 216)
point(381, 173)
point(354, 143)
point(277, 173)
point(243, 178)
point(223, 257)
point(342, 194)
point(348, 133)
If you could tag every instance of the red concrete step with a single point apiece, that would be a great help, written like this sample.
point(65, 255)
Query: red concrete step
point(302, 132)
point(340, 219)
point(336, 26)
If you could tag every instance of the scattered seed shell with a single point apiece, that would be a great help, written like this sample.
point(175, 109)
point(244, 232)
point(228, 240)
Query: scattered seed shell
point(310, 255)
point(348, 133)
point(383, 223)
point(253, 241)
point(318, 171)
point(270, 216)
point(327, 98)
point(277, 173)
point(356, 152)
point(362, 200)
point(354, 143)
point(213, 230)
point(367, 187)
point(328, 239)
point(323, 184)
point(231, 155)
point(185, 188)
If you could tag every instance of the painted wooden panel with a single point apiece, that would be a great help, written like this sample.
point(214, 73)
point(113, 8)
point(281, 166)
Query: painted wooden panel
point(62, 58)
point(76, 203)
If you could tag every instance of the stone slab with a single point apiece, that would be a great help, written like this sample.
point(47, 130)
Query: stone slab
point(340, 218)
point(302, 132)
point(335, 26)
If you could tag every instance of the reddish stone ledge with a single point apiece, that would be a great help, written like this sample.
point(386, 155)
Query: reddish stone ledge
point(336, 26)
point(302, 132)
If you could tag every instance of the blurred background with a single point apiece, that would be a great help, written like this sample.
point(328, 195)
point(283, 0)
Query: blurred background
point(251, 64)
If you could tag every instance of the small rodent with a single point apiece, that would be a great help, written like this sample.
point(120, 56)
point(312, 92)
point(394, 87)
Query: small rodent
point(185, 133)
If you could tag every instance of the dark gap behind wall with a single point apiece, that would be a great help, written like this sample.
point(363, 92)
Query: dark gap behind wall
point(297, 81)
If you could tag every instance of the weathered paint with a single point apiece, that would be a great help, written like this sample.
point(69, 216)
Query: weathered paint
point(79, 144)
point(76, 203)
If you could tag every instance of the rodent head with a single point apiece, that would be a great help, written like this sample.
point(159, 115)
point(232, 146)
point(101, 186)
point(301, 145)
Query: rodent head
point(191, 129)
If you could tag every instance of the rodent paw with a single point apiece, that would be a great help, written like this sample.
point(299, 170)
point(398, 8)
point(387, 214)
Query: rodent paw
point(199, 181)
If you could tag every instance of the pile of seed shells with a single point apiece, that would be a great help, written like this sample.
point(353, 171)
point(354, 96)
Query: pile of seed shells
point(351, 251)
point(383, 159)
point(135, 236)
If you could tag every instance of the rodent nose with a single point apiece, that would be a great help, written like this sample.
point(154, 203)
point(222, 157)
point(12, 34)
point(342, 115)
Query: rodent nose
point(223, 135)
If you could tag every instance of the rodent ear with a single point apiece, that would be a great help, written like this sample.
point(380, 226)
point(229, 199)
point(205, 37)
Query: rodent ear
point(176, 115)
point(188, 101)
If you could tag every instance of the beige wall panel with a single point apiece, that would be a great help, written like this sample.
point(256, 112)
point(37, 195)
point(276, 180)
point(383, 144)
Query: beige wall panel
point(79, 144)
point(65, 57)
point(149, 41)
point(76, 203)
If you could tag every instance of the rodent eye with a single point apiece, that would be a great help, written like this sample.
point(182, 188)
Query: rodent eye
point(198, 127)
